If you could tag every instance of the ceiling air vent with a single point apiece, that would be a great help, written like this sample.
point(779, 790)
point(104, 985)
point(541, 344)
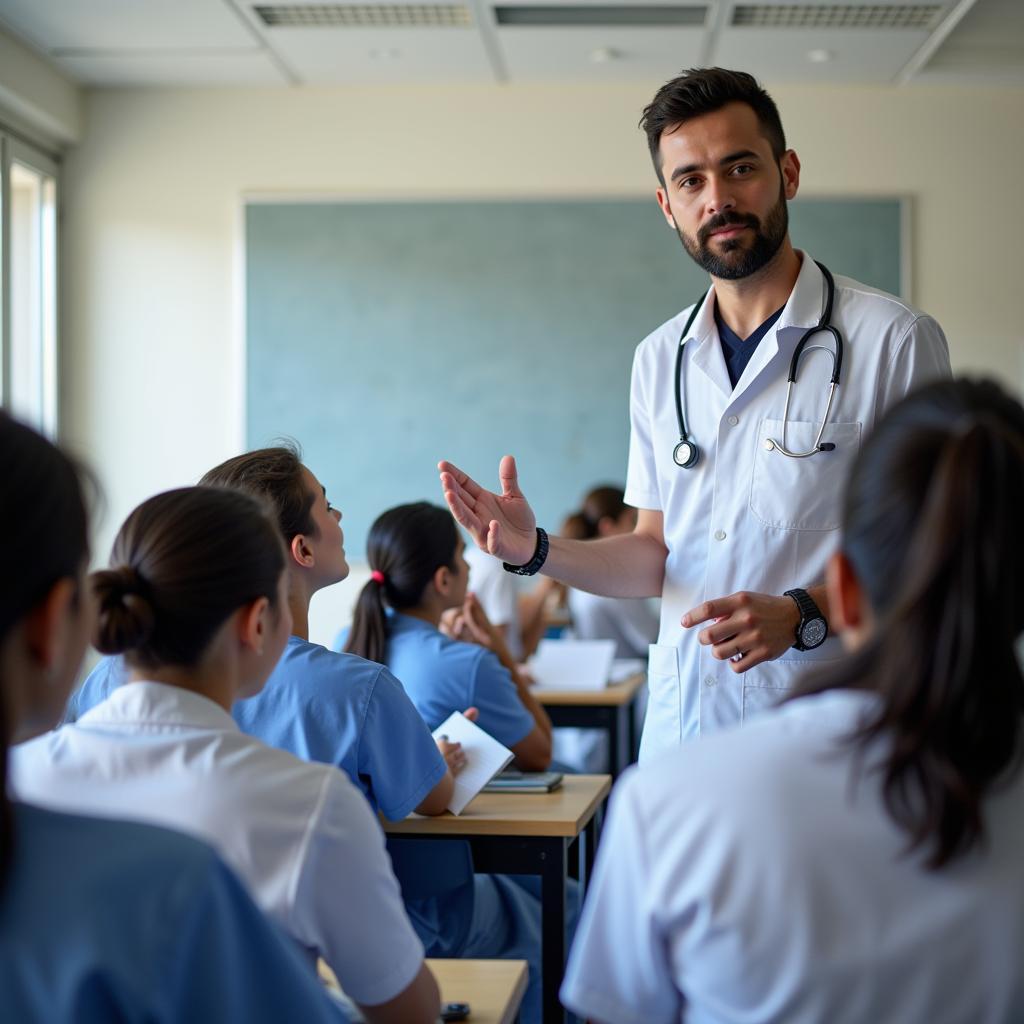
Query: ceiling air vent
point(877, 16)
point(553, 15)
point(365, 15)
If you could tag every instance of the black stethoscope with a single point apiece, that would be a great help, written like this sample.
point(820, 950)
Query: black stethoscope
point(686, 454)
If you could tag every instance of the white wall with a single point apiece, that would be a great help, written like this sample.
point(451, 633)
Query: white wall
point(152, 223)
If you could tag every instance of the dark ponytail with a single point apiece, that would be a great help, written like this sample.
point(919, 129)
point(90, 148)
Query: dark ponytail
point(406, 546)
point(42, 499)
point(182, 563)
point(931, 527)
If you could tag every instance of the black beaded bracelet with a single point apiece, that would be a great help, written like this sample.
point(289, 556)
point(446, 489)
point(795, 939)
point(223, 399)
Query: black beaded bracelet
point(540, 556)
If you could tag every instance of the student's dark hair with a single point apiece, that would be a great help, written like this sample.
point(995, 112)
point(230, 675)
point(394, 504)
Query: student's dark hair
point(182, 563)
point(275, 475)
point(931, 527)
point(406, 546)
point(703, 91)
point(43, 539)
point(604, 502)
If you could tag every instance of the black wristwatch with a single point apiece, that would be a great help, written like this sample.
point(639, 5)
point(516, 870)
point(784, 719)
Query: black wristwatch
point(812, 630)
point(540, 554)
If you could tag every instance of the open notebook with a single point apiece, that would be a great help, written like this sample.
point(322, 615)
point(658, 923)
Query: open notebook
point(485, 757)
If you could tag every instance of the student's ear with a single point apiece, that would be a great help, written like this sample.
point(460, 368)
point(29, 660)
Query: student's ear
point(253, 624)
point(789, 166)
point(442, 580)
point(847, 606)
point(661, 193)
point(48, 627)
point(301, 551)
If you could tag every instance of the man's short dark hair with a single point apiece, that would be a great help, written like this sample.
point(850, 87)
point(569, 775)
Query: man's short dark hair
point(703, 91)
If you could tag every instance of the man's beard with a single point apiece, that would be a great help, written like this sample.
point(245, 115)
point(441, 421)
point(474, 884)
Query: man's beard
point(737, 260)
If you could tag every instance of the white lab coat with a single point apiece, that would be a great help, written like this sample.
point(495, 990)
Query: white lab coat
point(746, 518)
point(745, 878)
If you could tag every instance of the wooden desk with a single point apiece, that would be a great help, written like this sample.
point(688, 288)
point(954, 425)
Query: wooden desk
point(610, 709)
point(528, 834)
point(493, 988)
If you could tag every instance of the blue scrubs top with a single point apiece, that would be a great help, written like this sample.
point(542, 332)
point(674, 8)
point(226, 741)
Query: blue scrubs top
point(114, 921)
point(442, 675)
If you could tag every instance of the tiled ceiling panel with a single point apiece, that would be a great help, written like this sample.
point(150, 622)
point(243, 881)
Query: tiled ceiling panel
point(818, 55)
point(369, 55)
point(987, 44)
point(106, 25)
point(598, 54)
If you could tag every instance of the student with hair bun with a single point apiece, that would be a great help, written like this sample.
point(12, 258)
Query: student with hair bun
point(196, 601)
point(855, 855)
point(105, 920)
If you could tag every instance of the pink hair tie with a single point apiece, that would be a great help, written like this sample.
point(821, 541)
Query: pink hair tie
point(377, 576)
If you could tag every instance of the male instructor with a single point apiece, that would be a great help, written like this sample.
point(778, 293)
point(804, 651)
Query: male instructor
point(737, 477)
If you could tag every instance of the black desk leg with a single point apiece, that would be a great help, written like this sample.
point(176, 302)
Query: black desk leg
point(634, 742)
point(587, 852)
point(621, 744)
point(554, 861)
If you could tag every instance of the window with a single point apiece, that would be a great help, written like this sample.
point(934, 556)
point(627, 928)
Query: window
point(28, 284)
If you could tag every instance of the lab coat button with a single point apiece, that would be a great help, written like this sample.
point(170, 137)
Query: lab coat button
point(709, 680)
point(719, 534)
point(769, 444)
point(733, 420)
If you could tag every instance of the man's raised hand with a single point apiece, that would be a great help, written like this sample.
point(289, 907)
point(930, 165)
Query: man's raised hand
point(501, 524)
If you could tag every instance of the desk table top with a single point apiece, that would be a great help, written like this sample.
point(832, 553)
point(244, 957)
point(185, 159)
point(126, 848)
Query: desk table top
point(614, 695)
point(565, 812)
point(493, 988)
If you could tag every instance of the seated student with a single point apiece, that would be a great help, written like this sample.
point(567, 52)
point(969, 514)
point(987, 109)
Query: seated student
point(415, 552)
point(631, 622)
point(104, 920)
point(855, 855)
point(196, 600)
point(346, 711)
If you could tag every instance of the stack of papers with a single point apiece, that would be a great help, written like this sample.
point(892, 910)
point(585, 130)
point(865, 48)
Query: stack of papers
point(485, 757)
point(573, 664)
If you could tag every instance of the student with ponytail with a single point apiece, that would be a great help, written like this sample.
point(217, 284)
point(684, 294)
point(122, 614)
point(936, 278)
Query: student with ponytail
point(419, 573)
point(196, 602)
point(855, 855)
point(105, 920)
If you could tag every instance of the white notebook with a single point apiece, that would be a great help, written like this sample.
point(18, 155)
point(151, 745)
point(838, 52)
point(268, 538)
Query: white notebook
point(572, 664)
point(485, 757)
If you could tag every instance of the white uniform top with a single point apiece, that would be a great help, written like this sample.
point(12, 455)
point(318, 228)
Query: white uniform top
point(746, 518)
point(631, 622)
point(497, 592)
point(744, 879)
point(300, 835)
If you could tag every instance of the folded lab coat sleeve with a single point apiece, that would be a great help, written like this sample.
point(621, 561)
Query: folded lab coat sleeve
point(348, 902)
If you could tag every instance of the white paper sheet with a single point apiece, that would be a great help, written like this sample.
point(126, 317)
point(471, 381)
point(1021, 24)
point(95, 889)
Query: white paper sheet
point(485, 757)
point(626, 668)
point(573, 664)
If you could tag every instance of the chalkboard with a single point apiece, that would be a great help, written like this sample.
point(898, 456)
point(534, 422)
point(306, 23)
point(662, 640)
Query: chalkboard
point(385, 336)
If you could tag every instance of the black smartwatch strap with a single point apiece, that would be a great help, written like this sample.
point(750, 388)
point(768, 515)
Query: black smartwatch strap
point(540, 555)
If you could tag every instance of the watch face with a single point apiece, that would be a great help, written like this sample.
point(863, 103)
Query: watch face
point(813, 634)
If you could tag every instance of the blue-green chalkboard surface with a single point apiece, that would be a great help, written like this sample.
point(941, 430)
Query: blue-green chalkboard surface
point(385, 336)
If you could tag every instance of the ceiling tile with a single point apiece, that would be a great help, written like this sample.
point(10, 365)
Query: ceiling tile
point(172, 69)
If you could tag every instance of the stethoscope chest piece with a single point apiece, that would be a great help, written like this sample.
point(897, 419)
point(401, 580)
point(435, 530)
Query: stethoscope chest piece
point(685, 454)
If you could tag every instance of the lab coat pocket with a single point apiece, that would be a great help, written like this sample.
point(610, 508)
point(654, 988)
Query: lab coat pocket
point(758, 699)
point(663, 723)
point(801, 494)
